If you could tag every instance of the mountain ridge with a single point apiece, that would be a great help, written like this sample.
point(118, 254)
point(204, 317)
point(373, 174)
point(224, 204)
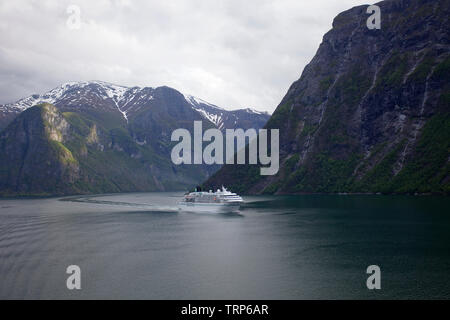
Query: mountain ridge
point(124, 98)
point(370, 112)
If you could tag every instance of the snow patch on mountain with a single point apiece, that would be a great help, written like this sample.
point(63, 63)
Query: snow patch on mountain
point(215, 113)
point(218, 116)
point(197, 101)
point(50, 97)
point(116, 93)
point(250, 110)
point(214, 118)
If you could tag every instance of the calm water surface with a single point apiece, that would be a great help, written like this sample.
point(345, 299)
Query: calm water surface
point(288, 247)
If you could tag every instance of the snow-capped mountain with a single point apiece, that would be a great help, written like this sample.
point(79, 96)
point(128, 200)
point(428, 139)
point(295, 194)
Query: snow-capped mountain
point(100, 137)
point(129, 101)
point(227, 119)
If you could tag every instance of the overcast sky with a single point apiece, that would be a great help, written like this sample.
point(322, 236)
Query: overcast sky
point(232, 53)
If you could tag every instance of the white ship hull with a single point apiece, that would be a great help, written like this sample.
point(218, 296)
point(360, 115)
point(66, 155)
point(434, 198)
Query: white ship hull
point(208, 207)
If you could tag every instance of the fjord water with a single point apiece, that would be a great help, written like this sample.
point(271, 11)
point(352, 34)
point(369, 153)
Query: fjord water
point(278, 247)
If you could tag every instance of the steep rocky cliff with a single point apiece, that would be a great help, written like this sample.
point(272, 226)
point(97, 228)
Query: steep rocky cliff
point(33, 156)
point(370, 112)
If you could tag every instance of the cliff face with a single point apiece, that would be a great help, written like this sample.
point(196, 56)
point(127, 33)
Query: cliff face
point(370, 112)
point(33, 156)
point(48, 152)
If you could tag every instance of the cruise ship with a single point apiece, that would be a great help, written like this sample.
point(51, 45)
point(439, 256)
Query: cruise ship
point(212, 202)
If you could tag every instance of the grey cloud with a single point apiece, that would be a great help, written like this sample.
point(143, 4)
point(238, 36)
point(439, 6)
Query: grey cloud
point(232, 53)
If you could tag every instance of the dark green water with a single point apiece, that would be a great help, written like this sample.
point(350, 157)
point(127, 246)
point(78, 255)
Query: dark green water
point(293, 247)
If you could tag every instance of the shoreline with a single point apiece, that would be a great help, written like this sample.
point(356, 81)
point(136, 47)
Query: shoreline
point(62, 196)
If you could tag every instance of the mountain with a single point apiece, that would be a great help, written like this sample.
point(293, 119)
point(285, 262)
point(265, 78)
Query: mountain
point(129, 101)
point(96, 137)
point(370, 113)
point(242, 118)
